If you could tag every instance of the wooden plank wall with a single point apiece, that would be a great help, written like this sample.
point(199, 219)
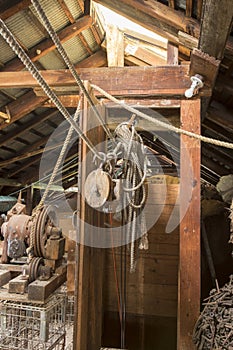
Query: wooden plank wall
point(152, 289)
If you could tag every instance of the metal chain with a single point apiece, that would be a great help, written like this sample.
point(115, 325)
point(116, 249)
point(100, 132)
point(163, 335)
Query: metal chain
point(68, 62)
point(16, 47)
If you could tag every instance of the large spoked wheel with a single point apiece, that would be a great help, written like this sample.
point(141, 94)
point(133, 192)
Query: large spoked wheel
point(45, 219)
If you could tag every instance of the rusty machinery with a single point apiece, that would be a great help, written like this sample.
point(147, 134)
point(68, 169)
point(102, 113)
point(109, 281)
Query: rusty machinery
point(35, 236)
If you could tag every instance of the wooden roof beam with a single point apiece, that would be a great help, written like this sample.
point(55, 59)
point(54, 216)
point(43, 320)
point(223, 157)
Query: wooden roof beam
point(215, 27)
point(119, 81)
point(9, 182)
point(214, 165)
point(115, 46)
point(46, 46)
point(162, 19)
point(171, 3)
point(22, 106)
point(11, 7)
point(26, 126)
point(33, 174)
point(217, 156)
point(97, 59)
point(189, 8)
point(26, 164)
point(66, 9)
point(154, 16)
point(27, 152)
point(199, 8)
point(29, 101)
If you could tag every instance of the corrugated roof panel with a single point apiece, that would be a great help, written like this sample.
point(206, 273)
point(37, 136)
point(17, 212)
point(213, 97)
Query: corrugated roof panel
point(19, 146)
point(57, 119)
point(16, 93)
point(6, 203)
point(52, 60)
point(4, 154)
point(88, 35)
point(27, 118)
point(44, 128)
point(75, 50)
point(16, 145)
point(13, 95)
point(9, 128)
point(74, 8)
point(6, 53)
point(22, 25)
point(3, 100)
point(54, 13)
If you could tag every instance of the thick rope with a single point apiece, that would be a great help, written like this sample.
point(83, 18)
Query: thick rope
point(19, 51)
point(52, 177)
point(61, 155)
point(134, 196)
point(163, 124)
point(68, 62)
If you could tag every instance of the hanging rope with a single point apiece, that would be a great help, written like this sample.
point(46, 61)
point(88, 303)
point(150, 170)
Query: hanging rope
point(51, 180)
point(68, 62)
point(134, 193)
point(61, 155)
point(163, 124)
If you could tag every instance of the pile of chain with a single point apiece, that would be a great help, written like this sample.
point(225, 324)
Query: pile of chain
point(214, 328)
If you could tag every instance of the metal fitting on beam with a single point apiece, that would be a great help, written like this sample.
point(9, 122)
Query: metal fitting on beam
point(197, 83)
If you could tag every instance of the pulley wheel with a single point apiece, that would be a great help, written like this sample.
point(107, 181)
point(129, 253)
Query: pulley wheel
point(34, 268)
point(97, 188)
point(46, 217)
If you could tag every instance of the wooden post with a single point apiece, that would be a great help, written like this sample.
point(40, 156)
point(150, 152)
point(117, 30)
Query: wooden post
point(172, 54)
point(89, 281)
point(29, 200)
point(115, 46)
point(189, 264)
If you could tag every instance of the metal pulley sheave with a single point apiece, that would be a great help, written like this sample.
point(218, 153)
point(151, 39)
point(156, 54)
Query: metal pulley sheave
point(44, 227)
point(36, 269)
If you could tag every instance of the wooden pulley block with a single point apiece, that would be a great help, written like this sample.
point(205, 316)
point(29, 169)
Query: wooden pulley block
point(97, 188)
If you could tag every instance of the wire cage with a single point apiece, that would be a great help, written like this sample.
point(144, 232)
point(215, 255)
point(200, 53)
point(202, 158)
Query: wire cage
point(69, 322)
point(38, 327)
point(70, 309)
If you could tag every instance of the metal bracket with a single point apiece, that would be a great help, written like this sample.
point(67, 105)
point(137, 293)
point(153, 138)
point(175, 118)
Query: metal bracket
point(197, 83)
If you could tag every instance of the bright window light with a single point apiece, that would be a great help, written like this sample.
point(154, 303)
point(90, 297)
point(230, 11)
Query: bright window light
point(111, 17)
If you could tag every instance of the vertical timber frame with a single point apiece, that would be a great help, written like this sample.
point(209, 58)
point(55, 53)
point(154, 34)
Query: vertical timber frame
point(89, 269)
point(189, 262)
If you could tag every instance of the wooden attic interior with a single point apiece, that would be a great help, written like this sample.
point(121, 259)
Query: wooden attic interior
point(163, 296)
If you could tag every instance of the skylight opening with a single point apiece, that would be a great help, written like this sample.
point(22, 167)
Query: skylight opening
point(111, 17)
point(136, 37)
